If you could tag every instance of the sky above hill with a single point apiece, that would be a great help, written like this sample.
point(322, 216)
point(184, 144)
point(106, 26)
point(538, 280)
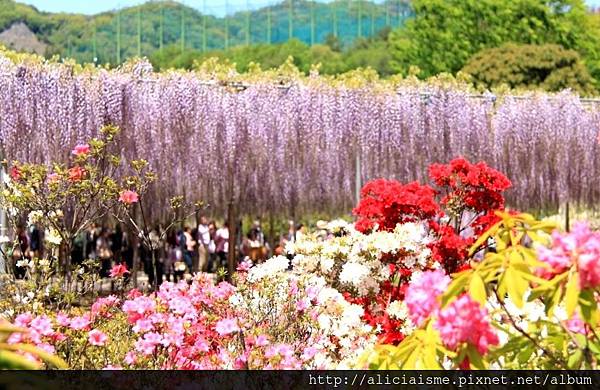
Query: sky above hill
point(214, 7)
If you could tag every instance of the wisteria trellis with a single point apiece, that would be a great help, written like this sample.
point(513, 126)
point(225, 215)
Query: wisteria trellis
point(275, 147)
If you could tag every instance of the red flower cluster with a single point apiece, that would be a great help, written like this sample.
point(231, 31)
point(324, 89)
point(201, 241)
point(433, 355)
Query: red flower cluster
point(386, 203)
point(450, 249)
point(476, 188)
point(15, 173)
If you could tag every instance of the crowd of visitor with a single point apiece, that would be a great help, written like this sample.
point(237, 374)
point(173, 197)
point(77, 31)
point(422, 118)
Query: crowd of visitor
point(166, 255)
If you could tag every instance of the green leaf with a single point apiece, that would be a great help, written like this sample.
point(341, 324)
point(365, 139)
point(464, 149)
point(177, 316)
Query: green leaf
point(456, 287)
point(516, 286)
point(12, 360)
point(588, 307)
point(484, 237)
point(575, 359)
point(475, 359)
point(525, 354)
point(477, 289)
point(572, 294)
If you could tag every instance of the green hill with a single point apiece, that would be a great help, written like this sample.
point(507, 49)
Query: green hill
point(112, 37)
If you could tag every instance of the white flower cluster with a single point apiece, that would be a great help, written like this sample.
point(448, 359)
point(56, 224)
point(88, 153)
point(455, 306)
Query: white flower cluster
point(399, 310)
point(352, 261)
point(34, 217)
point(52, 237)
point(271, 266)
point(338, 329)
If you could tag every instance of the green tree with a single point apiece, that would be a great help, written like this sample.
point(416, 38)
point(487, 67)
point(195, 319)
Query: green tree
point(548, 67)
point(444, 34)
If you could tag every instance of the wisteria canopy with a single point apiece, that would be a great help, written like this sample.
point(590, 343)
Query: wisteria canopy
point(273, 148)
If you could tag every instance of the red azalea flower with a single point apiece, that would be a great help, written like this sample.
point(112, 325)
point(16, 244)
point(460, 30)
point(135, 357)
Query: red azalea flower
point(118, 270)
point(385, 203)
point(76, 173)
point(15, 173)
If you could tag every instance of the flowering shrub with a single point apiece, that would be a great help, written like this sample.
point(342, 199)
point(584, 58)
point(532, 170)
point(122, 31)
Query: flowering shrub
point(361, 266)
point(64, 200)
point(520, 307)
point(443, 231)
point(272, 320)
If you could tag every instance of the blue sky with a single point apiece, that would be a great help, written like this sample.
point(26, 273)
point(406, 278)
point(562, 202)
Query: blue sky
point(215, 7)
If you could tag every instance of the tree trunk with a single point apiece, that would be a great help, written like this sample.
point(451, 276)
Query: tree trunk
point(232, 254)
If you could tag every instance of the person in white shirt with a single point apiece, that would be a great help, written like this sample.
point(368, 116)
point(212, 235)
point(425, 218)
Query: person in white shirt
point(203, 238)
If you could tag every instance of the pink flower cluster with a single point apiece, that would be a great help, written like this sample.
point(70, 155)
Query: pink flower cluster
point(196, 327)
point(81, 149)
point(422, 295)
point(465, 321)
point(47, 332)
point(580, 247)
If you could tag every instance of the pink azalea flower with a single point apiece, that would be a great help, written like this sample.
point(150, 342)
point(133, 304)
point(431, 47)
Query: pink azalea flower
point(128, 197)
point(302, 304)
point(62, 319)
point(312, 292)
point(81, 149)
point(144, 347)
point(226, 326)
point(111, 367)
point(80, 323)
point(262, 340)
point(309, 353)
point(118, 270)
point(293, 290)
point(202, 345)
point(97, 338)
point(142, 325)
point(23, 320)
point(422, 295)
point(133, 293)
point(575, 324)
point(465, 321)
point(130, 358)
point(46, 347)
point(43, 325)
point(245, 265)
point(580, 247)
point(285, 350)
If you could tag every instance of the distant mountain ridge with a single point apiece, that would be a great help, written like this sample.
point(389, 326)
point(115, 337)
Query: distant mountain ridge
point(112, 37)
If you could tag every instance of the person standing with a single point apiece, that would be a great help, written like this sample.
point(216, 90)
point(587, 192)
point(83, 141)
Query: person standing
point(212, 247)
point(188, 247)
point(203, 238)
point(20, 252)
point(222, 245)
point(35, 241)
point(104, 253)
point(116, 243)
point(258, 243)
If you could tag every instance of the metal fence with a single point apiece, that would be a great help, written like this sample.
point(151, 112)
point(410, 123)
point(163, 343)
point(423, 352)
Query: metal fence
point(138, 28)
